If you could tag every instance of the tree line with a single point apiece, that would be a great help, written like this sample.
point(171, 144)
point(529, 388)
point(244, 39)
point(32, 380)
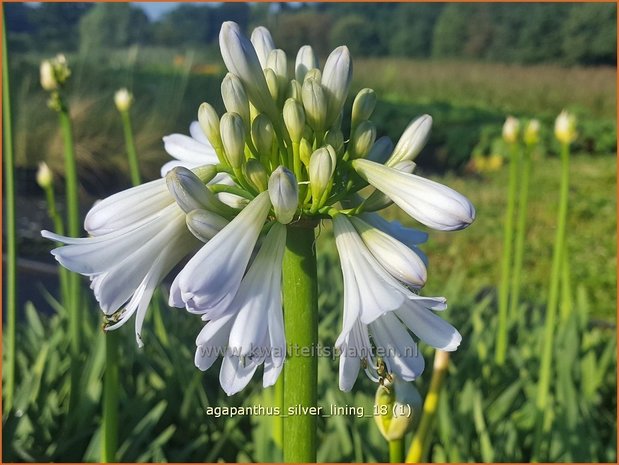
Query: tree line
point(568, 33)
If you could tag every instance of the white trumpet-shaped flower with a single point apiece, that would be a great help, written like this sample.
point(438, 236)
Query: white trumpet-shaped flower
point(433, 204)
point(251, 330)
point(210, 280)
point(393, 344)
point(127, 262)
point(190, 152)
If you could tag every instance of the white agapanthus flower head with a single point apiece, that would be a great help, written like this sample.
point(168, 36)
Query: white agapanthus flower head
point(274, 160)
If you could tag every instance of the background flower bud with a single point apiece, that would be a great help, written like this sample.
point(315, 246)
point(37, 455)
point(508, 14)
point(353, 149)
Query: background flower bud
point(381, 150)
point(320, 170)
point(123, 99)
point(306, 60)
point(336, 78)
point(263, 44)
point(411, 142)
point(284, 194)
point(278, 62)
point(272, 83)
point(294, 90)
point(234, 97)
point(315, 104)
point(209, 122)
point(294, 118)
point(313, 73)
point(262, 133)
point(305, 151)
point(363, 139)
point(403, 405)
point(48, 79)
point(565, 127)
point(256, 174)
point(531, 132)
point(45, 178)
point(335, 139)
point(363, 106)
point(511, 128)
point(233, 138)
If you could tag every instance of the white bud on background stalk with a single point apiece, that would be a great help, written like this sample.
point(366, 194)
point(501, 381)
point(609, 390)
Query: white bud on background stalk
point(284, 194)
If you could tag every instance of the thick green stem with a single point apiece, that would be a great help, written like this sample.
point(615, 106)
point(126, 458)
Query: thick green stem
point(520, 233)
point(430, 406)
point(134, 167)
point(9, 228)
point(553, 293)
point(300, 295)
point(508, 234)
point(110, 399)
point(73, 230)
point(396, 451)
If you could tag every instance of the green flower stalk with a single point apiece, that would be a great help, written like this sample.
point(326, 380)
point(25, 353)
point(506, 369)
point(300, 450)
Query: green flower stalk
point(123, 100)
point(531, 139)
point(10, 228)
point(511, 130)
point(243, 199)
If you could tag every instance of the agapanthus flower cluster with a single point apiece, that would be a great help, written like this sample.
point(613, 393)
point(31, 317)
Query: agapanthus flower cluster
point(240, 183)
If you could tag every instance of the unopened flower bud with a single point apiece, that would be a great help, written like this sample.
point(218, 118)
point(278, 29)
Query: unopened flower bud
point(381, 150)
point(284, 194)
point(565, 127)
point(48, 79)
point(363, 139)
point(294, 118)
point(204, 224)
point(305, 151)
point(336, 79)
point(531, 132)
point(511, 128)
point(234, 97)
point(278, 62)
point(262, 133)
point(123, 99)
point(272, 83)
point(256, 174)
point(233, 138)
point(263, 44)
point(241, 60)
point(363, 106)
point(209, 122)
point(45, 178)
point(306, 60)
point(321, 168)
point(294, 90)
point(411, 142)
point(190, 192)
point(313, 73)
point(335, 139)
point(398, 405)
point(315, 104)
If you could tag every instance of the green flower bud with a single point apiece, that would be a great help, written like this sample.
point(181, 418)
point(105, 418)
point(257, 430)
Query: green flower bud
point(531, 132)
point(336, 78)
point(321, 169)
point(313, 73)
point(511, 129)
point(209, 122)
point(256, 174)
point(278, 62)
point(294, 90)
point(234, 97)
point(294, 118)
point(363, 139)
point(272, 83)
point(398, 405)
point(315, 104)
point(204, 224)
point(412, 140)
point(305, 151)
point(284, 194)
point(123, 99)
point(233, 138)
point(363, 106)
point(306, 60)
point(45, 177)
point(381, 150)
point(262, 133)
point(335, 138)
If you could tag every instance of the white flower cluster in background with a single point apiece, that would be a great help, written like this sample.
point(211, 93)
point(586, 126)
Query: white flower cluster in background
point(240, 183)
